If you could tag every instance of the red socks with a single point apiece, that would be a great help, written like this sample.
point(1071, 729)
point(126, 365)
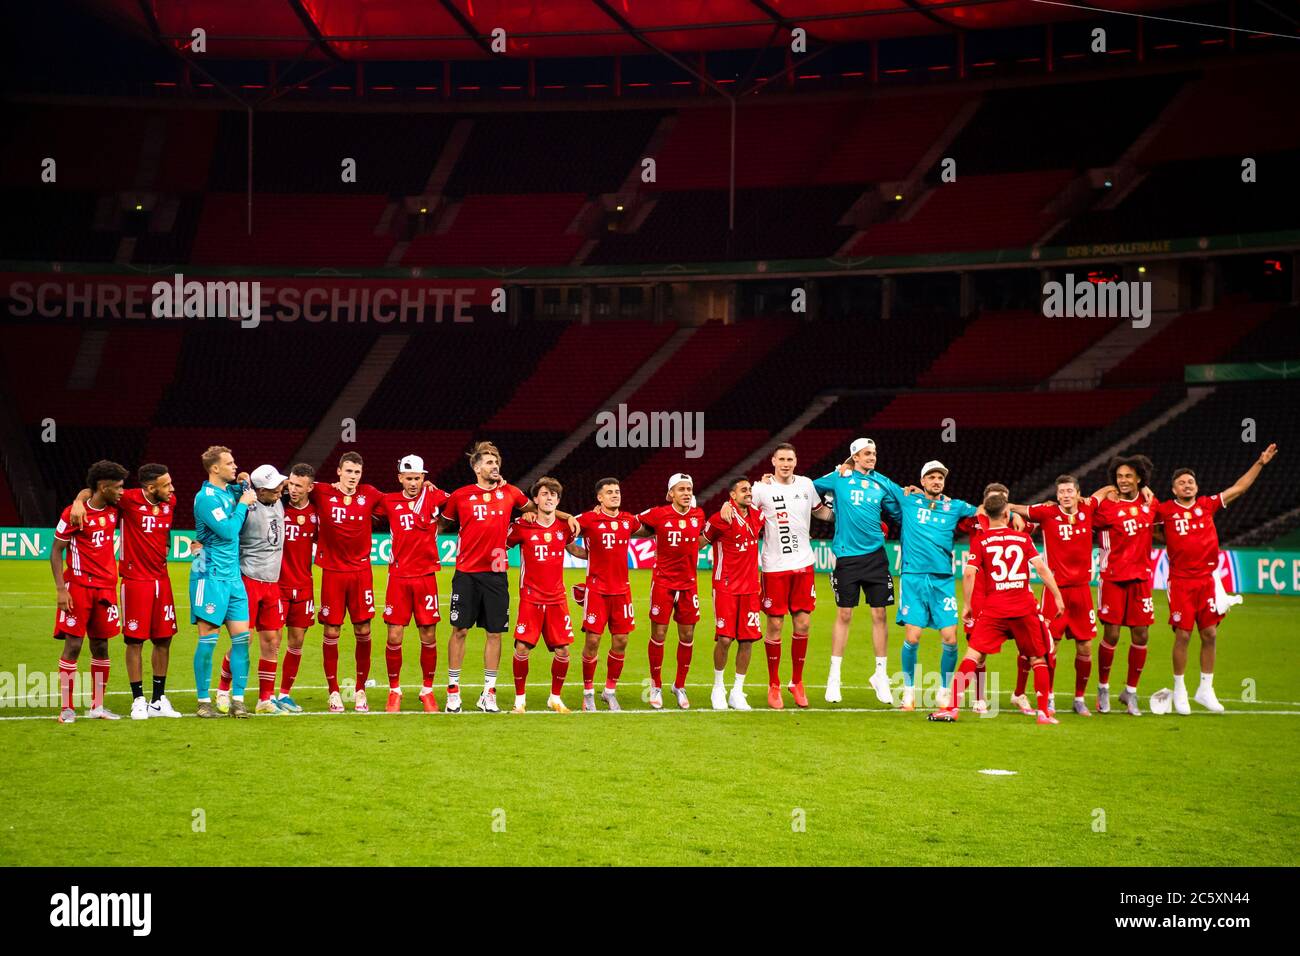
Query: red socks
point(559, 671)
point(521, 674)
point(613, 670)
point(798, 651)
point(1105, 657)
point(1082, 671)
point(588, 672)
point(1051, 670)
point(656, 652)
point(1042, 685)
point(330, 658)
point(393, 661)
point(67, 678)
point(961, 678)
point(1022, 674)
point(981, 680)
point(363, 661)
point(1137, 659)
point(265, 677)
point(773, 649)
point(292, 659)
point(98, 680)
point(684, 652)
point(226, 679)
point(428, 663)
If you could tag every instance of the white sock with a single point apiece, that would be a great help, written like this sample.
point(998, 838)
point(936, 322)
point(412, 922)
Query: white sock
point(1179, 683)
point(738, 687)
point(1131, 690)
point(835, 669)
point(1207, 680)
point(719, 679)
point(881, 663)
point(489, 680)
point(1105, 685)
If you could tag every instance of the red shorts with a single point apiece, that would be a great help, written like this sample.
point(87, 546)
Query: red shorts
point(148, 610)
point(1192, 599)
point(298, 606)
point(1031, 637)
point(1127, 603)
point(350, 592)
point(550, 621)
point(612, 609)
point(265, 606)
point(786, 591)
point(1079, 620)
point(737, 616)
point(412, 596)
point(666, 602)
point(94, 613)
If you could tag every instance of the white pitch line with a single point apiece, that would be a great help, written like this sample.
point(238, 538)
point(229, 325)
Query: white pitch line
point(694, 710)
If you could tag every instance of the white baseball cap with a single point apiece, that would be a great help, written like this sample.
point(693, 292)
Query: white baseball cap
point(859, 444)
point(678, 478)
point(266, 476)
point(411, 463)
point(933, 465)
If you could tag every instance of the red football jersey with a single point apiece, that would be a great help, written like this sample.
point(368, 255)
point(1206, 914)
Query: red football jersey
point(1067, 540)
point(484, 516)
point(89, 560)
point(300, 527)
point(1002, 556)
point(607, 540)
point(1125, 538)
point(735, 551)
point(1191, 539)
point(345, 525)
point(414, 526)
point(146, 535)
point(677, 545)
point(541, 554)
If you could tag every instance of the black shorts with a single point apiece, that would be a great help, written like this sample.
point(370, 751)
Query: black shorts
point(480, 599)
point(867, 573)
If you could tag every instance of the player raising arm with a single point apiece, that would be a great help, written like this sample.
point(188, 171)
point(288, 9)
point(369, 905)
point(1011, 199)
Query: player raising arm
point(1009, 610)
point(1192, 542)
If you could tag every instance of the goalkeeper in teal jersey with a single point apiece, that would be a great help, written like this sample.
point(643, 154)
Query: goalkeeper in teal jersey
point(216, 589)
point(927, 585)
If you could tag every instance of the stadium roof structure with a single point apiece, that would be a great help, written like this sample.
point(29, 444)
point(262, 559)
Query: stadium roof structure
point(360, 30)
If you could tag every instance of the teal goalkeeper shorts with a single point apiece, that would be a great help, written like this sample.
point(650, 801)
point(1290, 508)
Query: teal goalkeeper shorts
point(927, 600)
point(217, 601)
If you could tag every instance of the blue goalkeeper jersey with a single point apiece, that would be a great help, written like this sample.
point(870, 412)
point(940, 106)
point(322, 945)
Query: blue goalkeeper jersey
point(927, 533)
point(218, 517)
point(860, 501)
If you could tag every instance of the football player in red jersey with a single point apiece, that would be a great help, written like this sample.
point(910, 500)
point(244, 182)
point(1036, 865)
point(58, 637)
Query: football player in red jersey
point(674, 588)
point(1192, 543)
point(1067, 544)
point(148, 611)
point(412, 582)
point(1008, 609)
point(1125, 516)
point(543, 607)
point(301, 524)
point(346, 510)
point(606, 531)
point(735, 590)
point(86, 589)
point(479, 589)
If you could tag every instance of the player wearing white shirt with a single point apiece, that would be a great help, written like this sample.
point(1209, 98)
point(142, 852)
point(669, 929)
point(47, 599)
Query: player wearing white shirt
point(787, 502)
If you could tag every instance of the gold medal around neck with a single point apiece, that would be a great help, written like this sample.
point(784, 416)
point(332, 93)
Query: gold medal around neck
point(347, 499)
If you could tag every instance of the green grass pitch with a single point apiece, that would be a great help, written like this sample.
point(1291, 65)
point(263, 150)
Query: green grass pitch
point(864, 785)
